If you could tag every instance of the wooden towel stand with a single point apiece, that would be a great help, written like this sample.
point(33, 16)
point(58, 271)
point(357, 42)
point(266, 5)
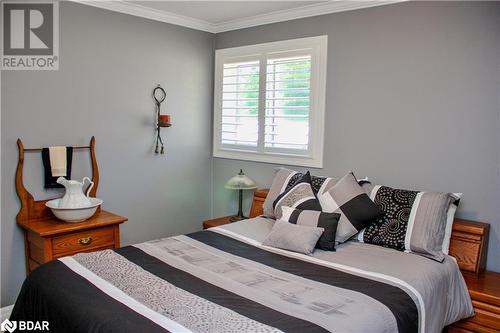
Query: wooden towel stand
point(32, 209)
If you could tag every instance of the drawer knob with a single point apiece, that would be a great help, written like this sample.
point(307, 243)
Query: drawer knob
point(85, 240)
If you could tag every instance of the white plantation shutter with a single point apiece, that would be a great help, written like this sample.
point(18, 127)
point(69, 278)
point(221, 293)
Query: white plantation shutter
point(287, 103)
point(269, 102)
point(240, 104)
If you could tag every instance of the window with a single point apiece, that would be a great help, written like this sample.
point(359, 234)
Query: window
point(269, 102)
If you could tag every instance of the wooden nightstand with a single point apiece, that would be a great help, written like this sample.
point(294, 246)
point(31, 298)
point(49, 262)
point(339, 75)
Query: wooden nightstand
point(216, 222)
point(484, 290)
point(49, 238)
point(259, 197)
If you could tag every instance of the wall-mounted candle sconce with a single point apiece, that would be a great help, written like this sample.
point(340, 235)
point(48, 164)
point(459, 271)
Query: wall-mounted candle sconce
point(162, 120)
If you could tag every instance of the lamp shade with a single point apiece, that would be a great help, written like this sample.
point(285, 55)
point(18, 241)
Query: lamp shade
point(240, 182)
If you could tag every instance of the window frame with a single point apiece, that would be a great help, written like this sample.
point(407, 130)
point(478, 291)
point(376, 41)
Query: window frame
point(317, 48)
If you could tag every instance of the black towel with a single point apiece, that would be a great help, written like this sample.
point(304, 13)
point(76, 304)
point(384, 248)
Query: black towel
point(51, 182)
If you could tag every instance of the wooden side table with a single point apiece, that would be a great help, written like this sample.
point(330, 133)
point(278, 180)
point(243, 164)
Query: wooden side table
point(259, 197)
point(49, 238)
point(484, 290)
point(216, 222)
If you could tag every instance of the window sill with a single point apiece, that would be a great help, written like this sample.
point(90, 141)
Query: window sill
point(286, 159)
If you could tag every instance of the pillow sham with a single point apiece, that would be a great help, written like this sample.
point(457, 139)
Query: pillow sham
point(293, 237)
point(300, 195)
point(284, 179)
point(349, 199)
point(450, 217)
point(312, 218)
point(413, 221)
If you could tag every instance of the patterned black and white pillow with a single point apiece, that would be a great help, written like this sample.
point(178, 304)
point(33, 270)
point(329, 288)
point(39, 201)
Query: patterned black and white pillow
point(413, 221)
point(313, 218)
point(300, 195)
point(316, 182)
point(350, 200)
point(284, 179)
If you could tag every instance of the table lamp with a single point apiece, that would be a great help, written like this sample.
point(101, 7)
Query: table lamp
point(240, 182)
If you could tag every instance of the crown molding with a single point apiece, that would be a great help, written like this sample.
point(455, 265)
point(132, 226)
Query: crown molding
point(150, 13)
point(332, 6)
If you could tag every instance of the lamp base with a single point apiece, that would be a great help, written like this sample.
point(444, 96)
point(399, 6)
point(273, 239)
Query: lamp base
point(237, 218)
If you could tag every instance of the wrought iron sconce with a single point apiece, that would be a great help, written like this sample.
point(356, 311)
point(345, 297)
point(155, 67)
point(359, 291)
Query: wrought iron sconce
point(162, 120)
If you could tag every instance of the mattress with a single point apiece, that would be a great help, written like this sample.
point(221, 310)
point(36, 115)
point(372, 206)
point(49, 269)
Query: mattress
point(224, 280)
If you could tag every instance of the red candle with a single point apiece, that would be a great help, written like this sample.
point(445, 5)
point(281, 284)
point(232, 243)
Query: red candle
point(164, 119)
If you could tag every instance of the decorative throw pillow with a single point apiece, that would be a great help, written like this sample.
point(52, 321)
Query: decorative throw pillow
point(284, 179)
point(312, 218)
point(413, 221)
point(349, 199)
point(300, 195)
point(293, 237)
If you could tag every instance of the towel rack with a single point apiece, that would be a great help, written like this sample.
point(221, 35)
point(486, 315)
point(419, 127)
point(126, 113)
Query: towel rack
point(32, 209)
point(40, 149)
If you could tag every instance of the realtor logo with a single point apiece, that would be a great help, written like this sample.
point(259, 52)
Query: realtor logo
point(8, 325)
point(30, 35)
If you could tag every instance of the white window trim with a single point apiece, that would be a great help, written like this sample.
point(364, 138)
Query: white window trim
point(318, 45)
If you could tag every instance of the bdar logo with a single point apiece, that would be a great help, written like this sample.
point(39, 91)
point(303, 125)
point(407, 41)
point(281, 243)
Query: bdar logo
point(8, 325)
point(24, 325)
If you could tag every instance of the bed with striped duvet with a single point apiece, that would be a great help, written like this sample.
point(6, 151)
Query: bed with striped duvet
point(215, 281)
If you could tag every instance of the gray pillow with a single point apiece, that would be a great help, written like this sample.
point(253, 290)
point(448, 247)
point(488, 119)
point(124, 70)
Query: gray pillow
point(293, 237)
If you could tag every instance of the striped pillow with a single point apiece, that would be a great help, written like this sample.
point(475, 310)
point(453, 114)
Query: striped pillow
point(349, 199)
point(413, 221)
point(312, 218)
point(300, 195)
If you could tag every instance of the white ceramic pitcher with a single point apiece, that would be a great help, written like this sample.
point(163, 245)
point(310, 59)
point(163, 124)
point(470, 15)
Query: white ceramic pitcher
point(74, 196)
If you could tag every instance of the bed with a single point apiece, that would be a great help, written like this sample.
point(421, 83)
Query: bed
point(224, 280)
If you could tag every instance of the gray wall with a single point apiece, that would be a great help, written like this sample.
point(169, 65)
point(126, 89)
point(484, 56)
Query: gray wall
point(413, 100)
point(110, 63)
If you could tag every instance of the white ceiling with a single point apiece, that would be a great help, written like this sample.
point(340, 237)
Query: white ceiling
point(220, 16)
point(217, 12)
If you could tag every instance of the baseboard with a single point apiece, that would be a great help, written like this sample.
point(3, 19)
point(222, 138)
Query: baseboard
point(5, 312)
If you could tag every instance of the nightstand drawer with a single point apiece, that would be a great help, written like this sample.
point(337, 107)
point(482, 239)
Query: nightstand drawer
point(469, 327)
point(484, 290)
point(83, 241)
point(85, 250)
point(486, 314)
